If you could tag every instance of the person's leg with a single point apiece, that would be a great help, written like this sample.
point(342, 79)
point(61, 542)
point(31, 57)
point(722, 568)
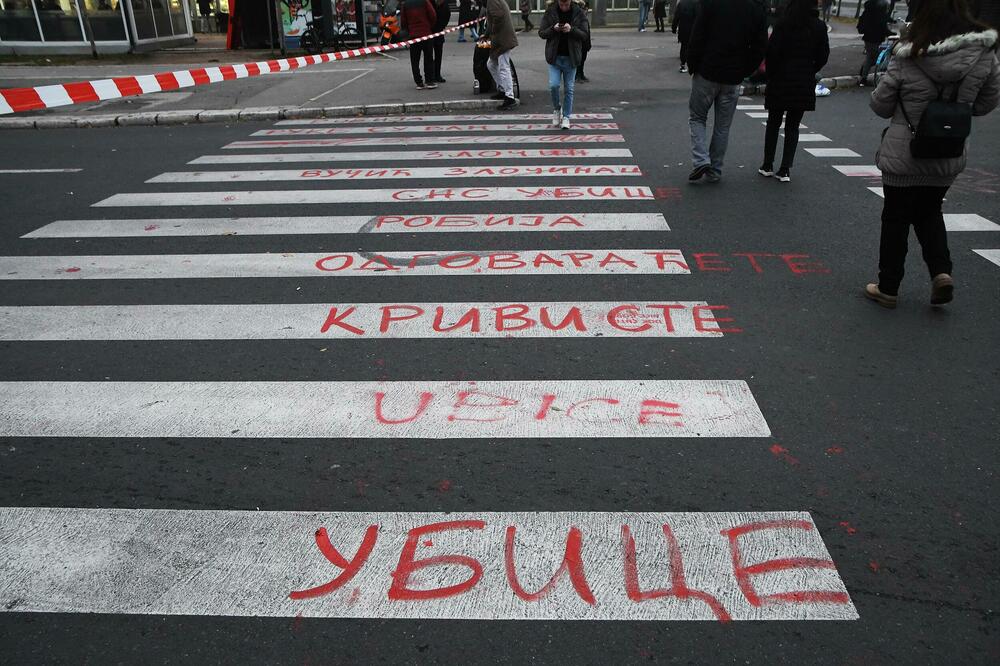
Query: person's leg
point(569, 79)
point(429, 75)
point(871, 55)
point(555, 76)
point(461, 34)
point(415, 50)
point(684, 53)
point(643, 14)
point(792, 120)
point(892, 244)
point(702, 96)
point(725, 108)
point(505, 82)
point(928, 223)
point(493, 65)
point(771, 137)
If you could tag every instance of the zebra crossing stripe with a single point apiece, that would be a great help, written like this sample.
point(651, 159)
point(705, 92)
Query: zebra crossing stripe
point(419, 129)
point(832, 152)
point(482, 118)
point(807, 138)
point(801, 126)
point(356, 321)
point(365, 410)
point(750, 107)
point(345, 264)
point(379, 224)
point(757, 114)
point(877, 191)
point(401, 173)
point(968, 222)
point(459, 566)
point(415, 155)
point(858, 170)
point(989, 255)
point(425, 140)
point(410, 195)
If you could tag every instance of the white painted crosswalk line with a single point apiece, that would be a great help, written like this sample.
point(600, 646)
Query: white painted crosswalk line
point(481, 118)
point(877, 191)
point(492, 566)
point(345, 264)
point(409, 195)
point(402, 173)
point(808, 138)
point(989, 255)
point(419, 129)
point(801, 127)
point(757, 114)
point(379, 224)
point(750, 107)
point(425, 140)
point(858, 170)
point(417, 155)
point(363, 410)
point(357, 321)
point(968, 222)
point(831, 152)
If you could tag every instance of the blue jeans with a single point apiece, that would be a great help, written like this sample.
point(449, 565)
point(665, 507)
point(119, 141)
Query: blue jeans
point(472, 31)
point(704, 94)
point(643, 13)
point(564, 70)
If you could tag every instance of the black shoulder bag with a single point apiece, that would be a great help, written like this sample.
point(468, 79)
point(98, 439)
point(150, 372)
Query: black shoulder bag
point(944, 127)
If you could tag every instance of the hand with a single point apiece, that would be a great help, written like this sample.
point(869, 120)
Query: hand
point(566, 27)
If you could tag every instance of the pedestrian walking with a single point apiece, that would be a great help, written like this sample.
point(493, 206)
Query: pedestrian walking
point(727, 44)
point(526, 24)
point(873, 25)
point(683, 21)
point(564, 28)
point(827, 8)
point(502, 42)
point(467, 13)
point(581, 77)
point(442, 11)
point(941, 74)
point(644, 7)
point(659, 14)
point(797, 51)
point(417, 19)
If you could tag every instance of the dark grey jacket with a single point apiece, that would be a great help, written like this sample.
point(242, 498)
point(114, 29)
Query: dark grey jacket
point(577, 36)
point(968, 61)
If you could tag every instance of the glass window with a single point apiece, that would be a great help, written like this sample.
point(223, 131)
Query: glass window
point(176, 8)
point(142, 13)
point(105, 20)
point(17, 21)
point(161, 17)
point(60, 22)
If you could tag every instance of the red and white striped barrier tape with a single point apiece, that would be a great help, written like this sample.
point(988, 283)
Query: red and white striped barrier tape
point(13, 100)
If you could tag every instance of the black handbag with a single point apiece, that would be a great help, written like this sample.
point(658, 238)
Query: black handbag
point(944, 127)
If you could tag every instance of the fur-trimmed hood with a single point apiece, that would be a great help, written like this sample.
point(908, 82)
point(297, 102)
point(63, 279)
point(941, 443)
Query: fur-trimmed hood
point(947, 61)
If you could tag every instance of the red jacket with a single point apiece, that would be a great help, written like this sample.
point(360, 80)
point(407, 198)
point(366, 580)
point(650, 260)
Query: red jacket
point(418, 18)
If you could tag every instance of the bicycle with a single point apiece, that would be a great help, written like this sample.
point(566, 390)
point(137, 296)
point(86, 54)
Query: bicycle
point(313, 40)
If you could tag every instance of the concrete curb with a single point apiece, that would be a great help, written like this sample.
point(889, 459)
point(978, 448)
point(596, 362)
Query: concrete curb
point(833, 83)
point(192, 116)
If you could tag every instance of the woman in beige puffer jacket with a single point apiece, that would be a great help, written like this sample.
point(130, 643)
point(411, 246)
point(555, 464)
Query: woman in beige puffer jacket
point(945, 49)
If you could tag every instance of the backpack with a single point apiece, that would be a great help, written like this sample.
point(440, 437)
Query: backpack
point(944, 127)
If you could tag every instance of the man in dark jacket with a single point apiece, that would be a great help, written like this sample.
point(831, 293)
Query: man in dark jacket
point(417, 19)
point(442, 10)
point(727, 44)
point(681, 26)
point(874, 28)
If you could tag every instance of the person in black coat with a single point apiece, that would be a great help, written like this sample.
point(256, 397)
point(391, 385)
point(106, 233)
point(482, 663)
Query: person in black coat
point(681, 25)
point(797, 50)
point(443, 10)
point(873, 26)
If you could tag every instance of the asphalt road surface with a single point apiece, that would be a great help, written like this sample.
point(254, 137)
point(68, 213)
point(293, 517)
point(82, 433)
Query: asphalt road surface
point(244, 421)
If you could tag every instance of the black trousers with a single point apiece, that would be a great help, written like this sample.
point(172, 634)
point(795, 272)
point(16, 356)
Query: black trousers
point(871, 55)
point(792, 120)
point(438, 54)
point(920, 207)
point(427, 50)
point(684, 52)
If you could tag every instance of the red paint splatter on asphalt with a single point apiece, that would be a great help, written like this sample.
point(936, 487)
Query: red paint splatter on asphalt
point(781, 452)
point(835, 450)
point(873, 565)
point(151, 227)
point(444, 486)
point(848, 528)
point(73, 269)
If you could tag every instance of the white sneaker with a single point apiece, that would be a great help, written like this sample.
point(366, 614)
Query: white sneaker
point(565, 122)
point(556, 117)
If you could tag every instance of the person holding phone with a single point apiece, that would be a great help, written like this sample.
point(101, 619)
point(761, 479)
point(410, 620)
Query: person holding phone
point(564, 28)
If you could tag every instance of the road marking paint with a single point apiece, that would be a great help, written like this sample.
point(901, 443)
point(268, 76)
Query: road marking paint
point(750, 107)
point(337, 87)
point(344, 264)
point(414, 155)
point(482, 118)
point(402, 173)
point(878, 191)
point(832, 152)
point(989, 255)
point(413, 409)
point(424, 140)
point(412, 195)
point(968, 222)
point(806, 138)
point(355, 321)
point(13, 171)
point(858, 170)
point(417, 129)
point(801, 126)
point(467, 566)
point(262, 226)
point(757, 114)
